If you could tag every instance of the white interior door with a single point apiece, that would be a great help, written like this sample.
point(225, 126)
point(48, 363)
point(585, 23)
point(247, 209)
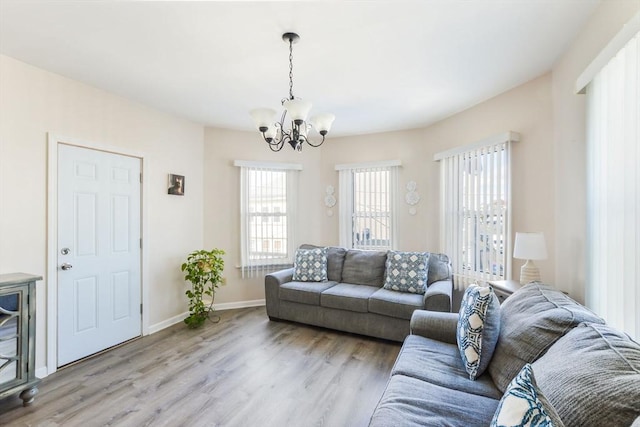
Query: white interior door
point(99, 286)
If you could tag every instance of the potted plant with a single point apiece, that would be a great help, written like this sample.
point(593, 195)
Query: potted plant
point(204, 270)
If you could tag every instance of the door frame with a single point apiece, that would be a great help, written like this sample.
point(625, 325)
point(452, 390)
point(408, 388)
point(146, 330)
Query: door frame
point(53, 141)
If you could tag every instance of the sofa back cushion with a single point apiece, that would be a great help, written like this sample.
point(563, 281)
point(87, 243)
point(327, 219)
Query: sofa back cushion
point(591, 376)
point(362, 267)
point(439, 268)
point(335, 260)
point(531, 321)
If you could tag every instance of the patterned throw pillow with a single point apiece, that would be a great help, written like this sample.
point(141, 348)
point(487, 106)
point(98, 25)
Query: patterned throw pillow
point(407, 271)
point(478, 328)
point(310, 265)
point(523, 404)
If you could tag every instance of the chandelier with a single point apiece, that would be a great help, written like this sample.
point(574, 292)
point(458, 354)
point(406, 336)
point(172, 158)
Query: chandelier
point(275, 133)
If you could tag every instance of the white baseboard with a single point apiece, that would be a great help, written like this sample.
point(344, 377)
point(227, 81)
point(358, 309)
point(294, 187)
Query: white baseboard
point(239, 304)
point(166, 323)
point(218, 307)
point(42, 372)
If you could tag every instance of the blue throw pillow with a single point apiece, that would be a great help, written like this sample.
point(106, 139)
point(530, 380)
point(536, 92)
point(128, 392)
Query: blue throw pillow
point(406, 271)
point(523, 404)
point(478, 328)
point(310, 265)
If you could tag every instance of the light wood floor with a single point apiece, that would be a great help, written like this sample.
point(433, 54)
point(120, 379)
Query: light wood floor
point(243, 371)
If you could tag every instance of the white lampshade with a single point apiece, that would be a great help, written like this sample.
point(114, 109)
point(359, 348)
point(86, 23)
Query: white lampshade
point(263, 117)
point(322, 122)
point(530, 246)
point(297, 109)
point(271, 132)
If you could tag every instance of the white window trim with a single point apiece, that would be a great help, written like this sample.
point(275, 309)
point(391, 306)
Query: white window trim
point(345, 196)
point(616, 44)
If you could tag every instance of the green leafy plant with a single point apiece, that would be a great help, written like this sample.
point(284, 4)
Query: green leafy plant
point(204, 270)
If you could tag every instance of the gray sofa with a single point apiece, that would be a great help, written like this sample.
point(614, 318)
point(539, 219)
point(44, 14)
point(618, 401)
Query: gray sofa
point(588, 371)
point(353, 298)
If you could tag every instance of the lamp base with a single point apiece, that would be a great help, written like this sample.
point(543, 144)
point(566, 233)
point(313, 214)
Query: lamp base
point(529, 273)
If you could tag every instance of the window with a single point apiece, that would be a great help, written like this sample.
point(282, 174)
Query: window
point(268, 206)
point(367, 205)
point(613, 184)
point(476, 209)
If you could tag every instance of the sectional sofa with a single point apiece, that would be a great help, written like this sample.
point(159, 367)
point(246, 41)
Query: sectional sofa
point(353, 297)
point(581, 371)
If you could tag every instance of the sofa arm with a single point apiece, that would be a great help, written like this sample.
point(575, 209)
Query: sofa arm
point(280, 277)
point(438, 295)
point(272, 284)
point(435, 325)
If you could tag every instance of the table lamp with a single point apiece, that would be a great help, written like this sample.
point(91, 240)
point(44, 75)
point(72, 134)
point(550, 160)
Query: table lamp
point(529, 246)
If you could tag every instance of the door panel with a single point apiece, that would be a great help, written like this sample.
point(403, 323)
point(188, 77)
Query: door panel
point(99, 223)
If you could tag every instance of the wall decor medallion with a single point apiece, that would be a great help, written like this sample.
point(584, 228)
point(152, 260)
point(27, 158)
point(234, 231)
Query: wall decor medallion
point(329, 199)
point(412, 197)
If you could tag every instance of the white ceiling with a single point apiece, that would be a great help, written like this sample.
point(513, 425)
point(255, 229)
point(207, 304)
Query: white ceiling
point(377, 65)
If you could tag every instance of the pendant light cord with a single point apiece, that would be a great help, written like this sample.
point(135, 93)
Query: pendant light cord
point(290, 69)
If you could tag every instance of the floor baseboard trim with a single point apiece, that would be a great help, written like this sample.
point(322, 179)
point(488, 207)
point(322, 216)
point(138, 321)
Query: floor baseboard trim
point(218, 307)
point(239, 304)
point(42, 372)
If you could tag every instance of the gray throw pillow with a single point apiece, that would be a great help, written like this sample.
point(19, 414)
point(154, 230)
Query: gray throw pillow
point(478, 328)
point(310, 265)
point(531, 320)
point(523, 404)
point(592, 376)
point(406, 271)
point(335, 260)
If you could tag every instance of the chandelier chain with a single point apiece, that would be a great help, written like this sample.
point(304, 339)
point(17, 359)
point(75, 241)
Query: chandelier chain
point(290, 69)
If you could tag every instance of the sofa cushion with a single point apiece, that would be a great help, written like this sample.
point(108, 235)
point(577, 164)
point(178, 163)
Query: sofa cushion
point(523, 404)
point(531, 320)
point(395, 304)
point(310, 265)
point(439, 363)
point(406, 271)
point(303, 292)
point(439, 268)
point(592, 376)
point(364, 267)
point(335, 261)
point(411, 402)
point(478, 328)
point(345, 296)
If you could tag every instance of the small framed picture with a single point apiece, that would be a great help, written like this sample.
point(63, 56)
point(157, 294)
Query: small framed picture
point(176, 184)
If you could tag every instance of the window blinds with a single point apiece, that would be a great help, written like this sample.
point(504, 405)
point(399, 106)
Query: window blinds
point(475, 193)
point(613, 190)
point(267, 216)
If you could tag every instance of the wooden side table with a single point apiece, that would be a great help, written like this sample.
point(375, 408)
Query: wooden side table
point(504, 288)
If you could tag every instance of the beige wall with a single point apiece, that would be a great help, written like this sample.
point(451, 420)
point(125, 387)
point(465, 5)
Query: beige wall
point(34, 102)
point(569, 141)
point(525, 109)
